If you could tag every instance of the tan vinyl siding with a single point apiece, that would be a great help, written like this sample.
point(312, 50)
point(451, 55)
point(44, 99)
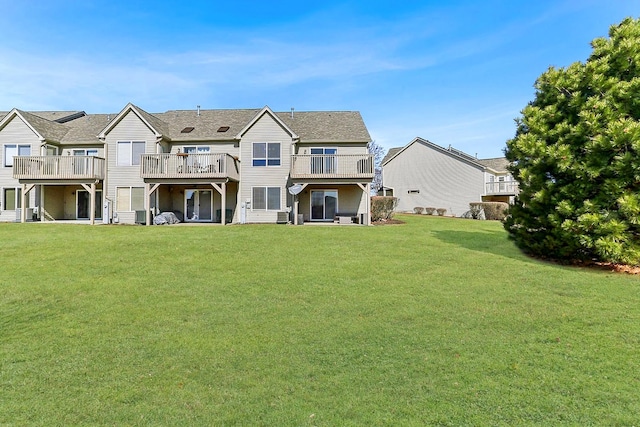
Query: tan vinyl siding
point(15, 132)
point(264, 130)
point(130, 128)
point(443, 181)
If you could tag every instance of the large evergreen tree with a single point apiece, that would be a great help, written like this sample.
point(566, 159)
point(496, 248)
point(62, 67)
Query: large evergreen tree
point(576, 155)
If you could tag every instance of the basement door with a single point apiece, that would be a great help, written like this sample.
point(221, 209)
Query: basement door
point(324, 205)
point(198, 205)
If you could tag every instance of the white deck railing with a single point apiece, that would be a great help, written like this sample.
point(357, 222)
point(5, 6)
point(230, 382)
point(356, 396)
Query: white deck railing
point(501, 187)
point(189, 166)
point(332, 166)
point(58, 167)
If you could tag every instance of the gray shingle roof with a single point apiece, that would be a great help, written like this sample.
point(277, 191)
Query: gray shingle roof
point(206, 125)
point(498, 164)
point(327, 126)
point(392, 152)
point(50, 131)
point(85, 129)
point(310, 126)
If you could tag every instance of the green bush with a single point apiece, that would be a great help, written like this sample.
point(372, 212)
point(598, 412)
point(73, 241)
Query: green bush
point(429, 211)
point(441, 211)
point(382, 207)
point(418, 210)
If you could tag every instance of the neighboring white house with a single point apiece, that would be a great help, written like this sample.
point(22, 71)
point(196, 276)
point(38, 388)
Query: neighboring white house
point(423, 174)
point(205, 165)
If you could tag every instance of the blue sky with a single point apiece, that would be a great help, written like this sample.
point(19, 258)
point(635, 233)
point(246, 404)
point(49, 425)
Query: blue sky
point(456, 72)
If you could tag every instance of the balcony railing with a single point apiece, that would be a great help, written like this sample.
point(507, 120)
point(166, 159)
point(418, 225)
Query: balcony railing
point(332, 166)
point(203, 165)
point(58, 167)
point(501, 187)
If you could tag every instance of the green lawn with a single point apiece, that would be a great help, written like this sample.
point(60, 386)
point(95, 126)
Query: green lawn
point(438, 321)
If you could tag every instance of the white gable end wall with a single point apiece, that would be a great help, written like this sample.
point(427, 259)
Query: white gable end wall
point(266, 129)
point(441, 180)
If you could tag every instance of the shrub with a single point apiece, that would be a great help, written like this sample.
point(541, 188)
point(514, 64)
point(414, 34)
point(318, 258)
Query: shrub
point(441, 211)
point(496, 211)
point(418, 210)
point(429, 211)
point(382, 207)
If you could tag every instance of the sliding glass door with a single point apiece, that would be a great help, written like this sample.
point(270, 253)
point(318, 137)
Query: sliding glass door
point(324, 205)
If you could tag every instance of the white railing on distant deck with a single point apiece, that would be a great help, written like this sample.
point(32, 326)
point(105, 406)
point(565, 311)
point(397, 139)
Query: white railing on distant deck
point(58, 167)
point(332, 166)
point(501, 187)
point(197, 165)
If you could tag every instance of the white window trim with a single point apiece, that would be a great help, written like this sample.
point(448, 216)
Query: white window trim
point(199, 149)
point(266, 200)
point(266, 158)
point(16, 201)
point(85, 152)
point(130, 209)
point(4, 153)
point(130, 143)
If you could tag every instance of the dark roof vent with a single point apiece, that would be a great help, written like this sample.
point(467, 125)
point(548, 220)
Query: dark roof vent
point(187, 129)
point(223, 128)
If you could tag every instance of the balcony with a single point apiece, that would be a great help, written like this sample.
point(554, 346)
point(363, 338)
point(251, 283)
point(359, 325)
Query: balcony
point(44, 168)
point(498, 188)
point(179, 166)
point(360, 166)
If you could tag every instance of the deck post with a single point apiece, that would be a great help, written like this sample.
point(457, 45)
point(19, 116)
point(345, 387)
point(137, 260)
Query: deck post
point(92, 214)
point(23, 204)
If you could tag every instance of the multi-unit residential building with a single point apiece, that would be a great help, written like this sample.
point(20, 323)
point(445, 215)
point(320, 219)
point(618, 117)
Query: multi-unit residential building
point(241, 166)
point(424, 174)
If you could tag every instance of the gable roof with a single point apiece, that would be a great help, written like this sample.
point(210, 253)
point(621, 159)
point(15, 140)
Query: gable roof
point(496, 164)
point(77, 127)
point(450, 151)
point(156, 125)
point(278, 120)
point(46, 130)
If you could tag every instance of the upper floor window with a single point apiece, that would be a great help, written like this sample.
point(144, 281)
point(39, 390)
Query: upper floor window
point(11, 150)
point(200, 149)
point(266, 154)
point(129, 152)
point(89, 152)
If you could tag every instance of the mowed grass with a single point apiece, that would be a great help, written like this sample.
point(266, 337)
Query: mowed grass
point(438, 321)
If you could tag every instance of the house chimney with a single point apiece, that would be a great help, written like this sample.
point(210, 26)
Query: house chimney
point(198, 111)
point(292, 112)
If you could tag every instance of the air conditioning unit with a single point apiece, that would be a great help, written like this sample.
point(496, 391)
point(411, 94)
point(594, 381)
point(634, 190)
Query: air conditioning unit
point(141, 217)
point(283, 217)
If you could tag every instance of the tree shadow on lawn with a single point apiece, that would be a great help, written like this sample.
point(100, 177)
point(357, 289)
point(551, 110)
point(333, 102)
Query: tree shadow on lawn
point(488, 242)
point(497, 243)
